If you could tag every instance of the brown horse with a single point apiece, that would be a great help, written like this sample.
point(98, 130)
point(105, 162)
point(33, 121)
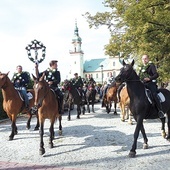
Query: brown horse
point(109, 97)
point(13, 104)
point(124, 105)
point(47, 105)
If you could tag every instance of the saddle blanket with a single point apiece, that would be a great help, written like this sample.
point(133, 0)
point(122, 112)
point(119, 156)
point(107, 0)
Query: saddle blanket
point(30, 96)
point(161, 97)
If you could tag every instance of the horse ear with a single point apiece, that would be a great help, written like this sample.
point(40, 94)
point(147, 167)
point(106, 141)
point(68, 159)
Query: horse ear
point(123, 62)
point(34, 77)
point(133, 62)
point(7, 73)
point(42, 77)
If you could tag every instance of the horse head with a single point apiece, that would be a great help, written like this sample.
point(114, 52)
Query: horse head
point(67, 85)
point(41, 89)
point(127, 73)
point(3, 79)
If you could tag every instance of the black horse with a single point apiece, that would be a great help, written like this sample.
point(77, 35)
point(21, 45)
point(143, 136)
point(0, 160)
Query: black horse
point(140, 105)
point(90, 94)
point(68, 85)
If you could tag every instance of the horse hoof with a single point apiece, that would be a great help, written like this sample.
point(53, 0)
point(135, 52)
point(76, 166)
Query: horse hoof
point(36, 128)
point(60, 132)
point(132, 154)
point(123, 120)
point(130, 123)
point(11, 138)
point(42, 151)
point(168, 138)
point(68, 119)
point(145, 146)
point(78, 117)
point(28, 127)
point(51, 145)
point(163, 134)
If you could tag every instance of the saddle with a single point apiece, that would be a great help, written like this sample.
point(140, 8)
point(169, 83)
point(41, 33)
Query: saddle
point(29, 94)
point(150, 97)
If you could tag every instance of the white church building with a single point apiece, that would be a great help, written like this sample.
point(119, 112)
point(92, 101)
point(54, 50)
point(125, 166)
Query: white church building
point(100, 69)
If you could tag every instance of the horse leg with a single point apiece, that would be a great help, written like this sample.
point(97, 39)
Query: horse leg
point(78, 111)
point(14, 127)
point(130, 116)
point(92, 106)
point(69, 115)
point(115, 112)
point(38, 123)
point(28, 121)
point(122, 108)
point(163, 133)
point(132, 152)
point(83, 107)
point(110, 106)
point(60, 125)
point(168, 124)
point(51, 129)
point(88, 105)
point(41, 150)
point(145, 145)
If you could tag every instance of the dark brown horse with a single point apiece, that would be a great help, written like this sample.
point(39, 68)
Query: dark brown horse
point(68, 101)
point(109, 97)
point(90, 95)
point(13, 104)
point(68, 85)
point(47, 105)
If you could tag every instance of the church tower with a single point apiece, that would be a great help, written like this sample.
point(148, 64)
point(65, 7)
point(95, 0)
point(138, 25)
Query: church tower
point(76, 54)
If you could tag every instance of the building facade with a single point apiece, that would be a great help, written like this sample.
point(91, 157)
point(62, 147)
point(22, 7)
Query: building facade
point(100, 69)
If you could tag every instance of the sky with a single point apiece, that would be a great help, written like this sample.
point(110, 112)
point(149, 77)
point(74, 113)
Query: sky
point(52, 22)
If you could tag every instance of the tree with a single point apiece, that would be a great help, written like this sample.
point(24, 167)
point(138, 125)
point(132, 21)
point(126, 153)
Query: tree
point(137, 27)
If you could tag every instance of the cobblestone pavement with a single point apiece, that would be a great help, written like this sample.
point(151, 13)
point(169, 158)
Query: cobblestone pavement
point(97, 141)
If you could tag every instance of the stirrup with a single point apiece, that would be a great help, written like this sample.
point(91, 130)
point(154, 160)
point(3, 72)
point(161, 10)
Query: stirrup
point(161, 114)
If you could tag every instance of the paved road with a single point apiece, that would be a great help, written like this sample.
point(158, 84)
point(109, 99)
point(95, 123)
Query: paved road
point(97, 141)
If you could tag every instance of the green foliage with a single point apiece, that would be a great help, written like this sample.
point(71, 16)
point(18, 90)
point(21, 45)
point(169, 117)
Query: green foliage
point(136, 28)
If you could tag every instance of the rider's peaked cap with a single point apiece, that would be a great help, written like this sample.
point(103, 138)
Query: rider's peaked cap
point(75, 74)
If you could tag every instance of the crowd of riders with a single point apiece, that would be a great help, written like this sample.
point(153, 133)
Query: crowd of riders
point(147, 73)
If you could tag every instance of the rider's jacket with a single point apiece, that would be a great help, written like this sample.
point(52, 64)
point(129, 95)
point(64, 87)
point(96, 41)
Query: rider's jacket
point(20, 79)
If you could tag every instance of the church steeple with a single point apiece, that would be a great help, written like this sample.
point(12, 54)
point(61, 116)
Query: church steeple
point(76, 54)
point(76, 40)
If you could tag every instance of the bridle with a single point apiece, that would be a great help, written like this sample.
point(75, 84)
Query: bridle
point(130, 75)
point(4, 86)
point(47, 91)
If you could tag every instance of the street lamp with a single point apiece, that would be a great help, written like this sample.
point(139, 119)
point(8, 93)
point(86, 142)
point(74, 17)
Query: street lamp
point(101, 72)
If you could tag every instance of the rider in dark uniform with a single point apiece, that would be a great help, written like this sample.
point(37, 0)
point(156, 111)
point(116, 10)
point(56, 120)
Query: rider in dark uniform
point(20, 81)
point(148, 74)
point(53, 78)
point(78, 83)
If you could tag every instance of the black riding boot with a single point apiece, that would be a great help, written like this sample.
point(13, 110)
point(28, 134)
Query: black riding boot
point(159, 106)
point(60, 105)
